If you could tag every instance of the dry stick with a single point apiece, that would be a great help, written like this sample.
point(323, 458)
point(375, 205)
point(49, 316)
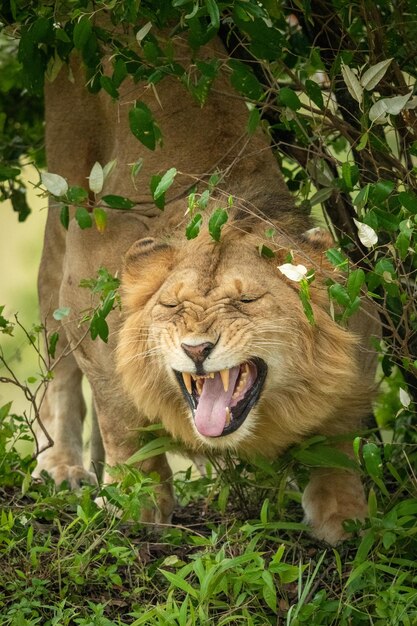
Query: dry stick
point(32, 399)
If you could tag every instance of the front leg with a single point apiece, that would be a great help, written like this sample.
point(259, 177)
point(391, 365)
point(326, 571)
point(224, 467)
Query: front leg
point(121, 440)
point(331, 497)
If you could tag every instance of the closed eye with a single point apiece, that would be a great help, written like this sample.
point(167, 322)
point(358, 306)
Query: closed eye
point(168, 304)
point(250, 298)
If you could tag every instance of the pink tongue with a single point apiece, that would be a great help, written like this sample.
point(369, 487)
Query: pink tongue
point(210, 415)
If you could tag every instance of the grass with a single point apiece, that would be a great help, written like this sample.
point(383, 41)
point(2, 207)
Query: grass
point(236, 553)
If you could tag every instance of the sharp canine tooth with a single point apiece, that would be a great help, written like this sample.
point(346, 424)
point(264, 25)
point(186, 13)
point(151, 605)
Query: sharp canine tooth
point(187, 381)
point(224, 375)
point(228, 416)
point(199, 386)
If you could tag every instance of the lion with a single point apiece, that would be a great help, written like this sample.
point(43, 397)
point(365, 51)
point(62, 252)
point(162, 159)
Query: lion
point(212, 340)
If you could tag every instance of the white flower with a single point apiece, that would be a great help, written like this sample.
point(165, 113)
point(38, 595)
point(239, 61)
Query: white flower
point(293, 272)
point(367, 235)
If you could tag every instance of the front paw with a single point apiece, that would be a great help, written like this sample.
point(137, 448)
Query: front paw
point(74, 475)
point(327, 506)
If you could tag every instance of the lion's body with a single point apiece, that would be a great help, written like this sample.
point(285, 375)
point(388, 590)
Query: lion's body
point(319, 377)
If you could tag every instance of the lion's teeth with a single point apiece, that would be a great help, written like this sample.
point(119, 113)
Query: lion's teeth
point(187, 381)
point(199, 384)
point(224, 375)
point(242, 380)
point(228, 416)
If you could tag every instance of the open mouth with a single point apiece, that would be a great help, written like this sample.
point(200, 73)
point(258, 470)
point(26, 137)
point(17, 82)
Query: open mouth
point(221, 401)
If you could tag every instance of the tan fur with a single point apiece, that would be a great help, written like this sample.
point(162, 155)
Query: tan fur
point(320, 377)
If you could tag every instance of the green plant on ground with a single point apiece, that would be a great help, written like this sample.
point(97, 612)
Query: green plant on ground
point(218, 563)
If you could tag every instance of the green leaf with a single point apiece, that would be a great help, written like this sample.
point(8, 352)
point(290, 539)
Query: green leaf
point(143, 126)
point(383, 266)
point(5, 410)
point(354, 87)
point(381, 190)
point(108, 304)
point(362, 198)
point(83, 218)
point(108, 168)
point(244, 80)
point(154, 182)
point(361, 145)
point(99, 328)
point(287, 97)
point(157, 446)
point(350, 175)
point(82, 32)
point(409, 201)
point(266, 252)
point(354, 284)
point(179, 583)
point(287, 573)
point(337, 258)
point(372, 503)
point(64, 216)
point(321, 195)
point(165, 183)
point(59, 314)
point(142, 32)
point(100, 218)
point(52, 342)
point(119, 73)
point(136, 167)
point(321, 455)
point(338, 292)
point(352, 308)
point(371, 455)
point(107, 84)
point(253, 121)
point(365, 546)
point(304, 295)
point(374, 74)
point(269, 591)
point(7, 172)
point(388, 106)
point(194, 226)
point(214, 13)
point(314, 92)
point(402, 244)
point(77, 195)
point(118, 202)
point(216, 222)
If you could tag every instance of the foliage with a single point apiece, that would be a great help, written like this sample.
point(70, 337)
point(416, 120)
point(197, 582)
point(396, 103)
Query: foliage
point(236, 554)
point(333, 85)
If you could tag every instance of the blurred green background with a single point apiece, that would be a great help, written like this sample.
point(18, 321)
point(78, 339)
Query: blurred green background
point(20, 252)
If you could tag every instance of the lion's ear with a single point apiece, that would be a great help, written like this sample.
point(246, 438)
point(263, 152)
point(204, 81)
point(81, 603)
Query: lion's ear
point(146, 266)
point(319, 238)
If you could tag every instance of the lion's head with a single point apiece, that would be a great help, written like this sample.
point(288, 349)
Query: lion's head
point(217, 346)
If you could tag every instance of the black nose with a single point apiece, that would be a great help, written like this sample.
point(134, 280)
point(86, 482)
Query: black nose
point(198, 353)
